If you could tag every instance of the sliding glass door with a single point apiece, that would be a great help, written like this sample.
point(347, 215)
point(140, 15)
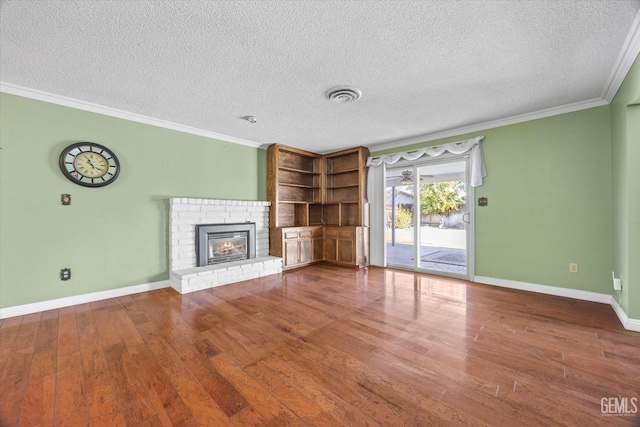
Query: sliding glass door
point(427, 217)
point(399, 217)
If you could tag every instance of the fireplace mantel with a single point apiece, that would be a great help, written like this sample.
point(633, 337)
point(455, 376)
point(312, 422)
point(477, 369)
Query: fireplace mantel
point(186, 213)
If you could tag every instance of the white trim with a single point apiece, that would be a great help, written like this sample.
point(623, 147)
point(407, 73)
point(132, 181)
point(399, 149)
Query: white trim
point(121, 114)
point(626, 58)
point(375, 197)
point(21, 310)
point(549, 112)
point(544, 289)
point(628, 323)
point(471, 225)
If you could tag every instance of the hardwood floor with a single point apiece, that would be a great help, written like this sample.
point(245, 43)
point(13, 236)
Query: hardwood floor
point(321, 345)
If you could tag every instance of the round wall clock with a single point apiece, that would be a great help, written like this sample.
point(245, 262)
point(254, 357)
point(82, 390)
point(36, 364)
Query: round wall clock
point(89, 164)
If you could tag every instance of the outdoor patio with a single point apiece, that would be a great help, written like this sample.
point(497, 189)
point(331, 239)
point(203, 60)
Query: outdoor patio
point(443, 249)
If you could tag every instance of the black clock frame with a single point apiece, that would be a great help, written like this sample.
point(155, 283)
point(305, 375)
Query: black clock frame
point(74, 179)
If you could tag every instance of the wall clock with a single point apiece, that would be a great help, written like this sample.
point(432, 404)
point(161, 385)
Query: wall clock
point(89, 164)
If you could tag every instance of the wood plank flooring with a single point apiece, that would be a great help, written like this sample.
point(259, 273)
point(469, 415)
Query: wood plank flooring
point(320, 345)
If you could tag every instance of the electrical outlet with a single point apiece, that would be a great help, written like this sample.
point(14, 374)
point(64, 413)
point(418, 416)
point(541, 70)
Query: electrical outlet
point(65, 274)
point(617, 283)
point(573, 267)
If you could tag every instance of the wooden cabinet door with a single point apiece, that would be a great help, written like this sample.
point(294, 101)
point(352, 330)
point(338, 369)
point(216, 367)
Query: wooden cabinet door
point(291, 253)
point(346, 251)
point(330, 249)
point(305, 251)
point(331, 244)
point(318, 249)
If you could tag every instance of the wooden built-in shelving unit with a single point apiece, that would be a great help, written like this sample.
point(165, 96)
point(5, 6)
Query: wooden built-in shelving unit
point(294, 186)
point(312, 190)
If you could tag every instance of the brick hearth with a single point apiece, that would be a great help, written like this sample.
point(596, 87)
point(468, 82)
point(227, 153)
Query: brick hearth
point(186, 213)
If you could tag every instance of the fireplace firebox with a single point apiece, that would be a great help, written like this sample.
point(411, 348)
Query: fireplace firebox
point(219, 243)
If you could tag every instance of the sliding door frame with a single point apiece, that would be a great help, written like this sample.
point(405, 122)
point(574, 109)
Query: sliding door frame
point(470, 206)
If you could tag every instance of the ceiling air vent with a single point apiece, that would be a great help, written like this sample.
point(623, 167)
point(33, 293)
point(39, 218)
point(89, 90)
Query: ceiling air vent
point(343, 95)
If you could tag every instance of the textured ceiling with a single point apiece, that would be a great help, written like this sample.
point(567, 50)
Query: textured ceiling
point(424, 67)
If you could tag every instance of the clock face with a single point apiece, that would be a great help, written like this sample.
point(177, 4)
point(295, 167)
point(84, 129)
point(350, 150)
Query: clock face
point(89, 164)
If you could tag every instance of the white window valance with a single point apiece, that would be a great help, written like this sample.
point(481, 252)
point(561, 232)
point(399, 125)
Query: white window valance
point(478, 170)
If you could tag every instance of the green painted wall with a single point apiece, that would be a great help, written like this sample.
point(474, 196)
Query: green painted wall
point(549, 191)
point(625, 138)
point(110, 237)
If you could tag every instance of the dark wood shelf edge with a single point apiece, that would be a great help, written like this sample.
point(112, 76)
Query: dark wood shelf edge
point(344, 171)
point(297, 202)
point(312, 187)
point(288, 169)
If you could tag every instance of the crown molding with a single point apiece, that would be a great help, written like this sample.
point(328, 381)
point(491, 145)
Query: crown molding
point(549, 112)
point(626, 58)
point(52, 98)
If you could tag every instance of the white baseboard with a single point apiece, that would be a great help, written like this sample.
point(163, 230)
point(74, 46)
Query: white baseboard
point(544, 289)
point(20, 310)
point(629, 324)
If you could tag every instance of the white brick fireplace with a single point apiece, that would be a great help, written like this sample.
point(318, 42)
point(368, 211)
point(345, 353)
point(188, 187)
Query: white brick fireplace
point(185, 214)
